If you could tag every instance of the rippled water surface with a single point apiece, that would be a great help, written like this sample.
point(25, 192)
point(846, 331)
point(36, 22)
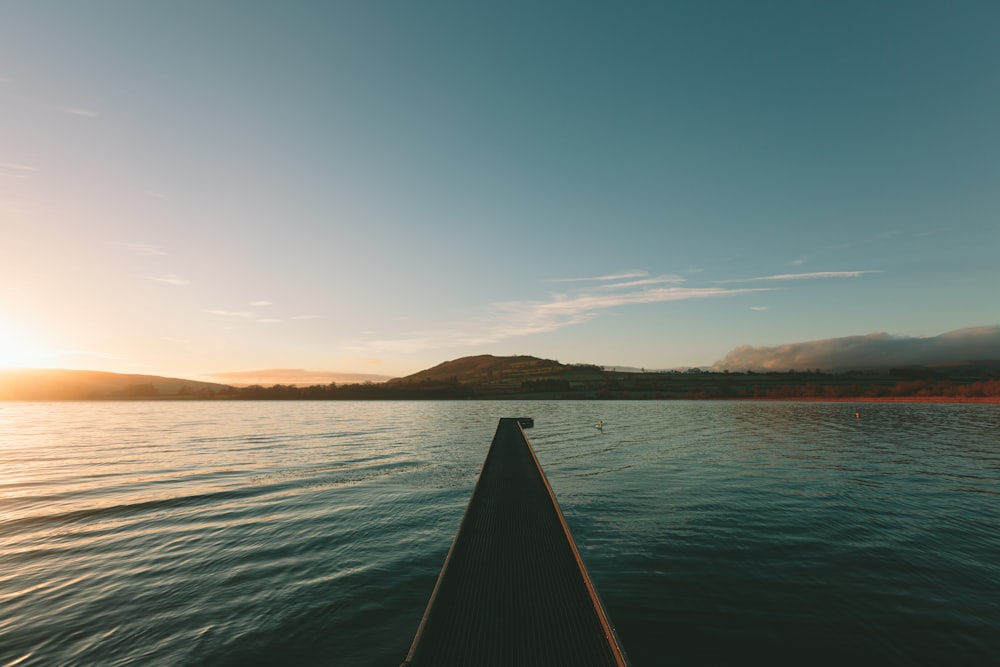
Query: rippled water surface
point(312, 533)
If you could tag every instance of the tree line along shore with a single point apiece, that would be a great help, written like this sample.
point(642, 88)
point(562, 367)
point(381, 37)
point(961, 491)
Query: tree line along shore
point(527, 378)
point(653, 386)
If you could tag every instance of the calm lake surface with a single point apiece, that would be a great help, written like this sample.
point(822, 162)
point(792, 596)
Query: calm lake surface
point(242, 533)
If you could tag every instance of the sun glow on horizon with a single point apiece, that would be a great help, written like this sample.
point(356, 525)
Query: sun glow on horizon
point(17, 352)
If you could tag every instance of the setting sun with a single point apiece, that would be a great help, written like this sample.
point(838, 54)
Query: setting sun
point(15, 350)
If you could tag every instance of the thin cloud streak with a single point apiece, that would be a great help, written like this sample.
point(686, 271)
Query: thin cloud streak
point(608, 278)
point(142, 249)
point(803, 276)
point(521, 318)
point(13, 166)
point(658, 280)
point(15, 170)
point(245, 314)
point(171, 279)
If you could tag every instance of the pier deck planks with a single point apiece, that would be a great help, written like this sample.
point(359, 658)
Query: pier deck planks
point(513, 589)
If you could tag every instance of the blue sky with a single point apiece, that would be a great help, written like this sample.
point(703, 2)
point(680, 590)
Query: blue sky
point(190, 188)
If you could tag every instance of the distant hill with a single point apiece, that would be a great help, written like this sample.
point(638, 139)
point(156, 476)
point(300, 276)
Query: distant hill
point(489, 375)
point(531, 378)
point(46, 384)
point(525, 377)
point(483, 368)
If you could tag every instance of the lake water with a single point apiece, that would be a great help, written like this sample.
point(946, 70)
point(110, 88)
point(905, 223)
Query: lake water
point(304, 533)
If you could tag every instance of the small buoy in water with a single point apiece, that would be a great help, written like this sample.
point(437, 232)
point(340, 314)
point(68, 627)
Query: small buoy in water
point(599, 425)
point(857, 414)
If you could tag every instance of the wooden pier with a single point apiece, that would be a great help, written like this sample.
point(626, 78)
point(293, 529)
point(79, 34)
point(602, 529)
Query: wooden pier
point(513, 589)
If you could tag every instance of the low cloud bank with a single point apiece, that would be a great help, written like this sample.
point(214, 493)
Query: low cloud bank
point(875, 350)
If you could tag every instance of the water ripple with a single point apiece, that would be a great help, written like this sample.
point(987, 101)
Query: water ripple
point(312, 533)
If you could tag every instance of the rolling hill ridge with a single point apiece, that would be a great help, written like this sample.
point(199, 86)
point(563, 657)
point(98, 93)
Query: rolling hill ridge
point(531, 378)
point(47, 384)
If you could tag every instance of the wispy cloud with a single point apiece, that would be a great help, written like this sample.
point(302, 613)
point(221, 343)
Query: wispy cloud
point(758, 308)
point(171, 279)
point(607, 278)
point(16, 170)
point(143, 249)
point(802, 276)
point(626, 280)
point(80, 111)
point(306, 317)
point(260, 304)
point(521, 318)
point(13, 166)
point(643, 282)
point(230, 313)
point(177, 341)
point(244, 314)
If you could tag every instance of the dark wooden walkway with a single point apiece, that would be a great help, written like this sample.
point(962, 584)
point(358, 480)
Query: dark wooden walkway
point(513, 589)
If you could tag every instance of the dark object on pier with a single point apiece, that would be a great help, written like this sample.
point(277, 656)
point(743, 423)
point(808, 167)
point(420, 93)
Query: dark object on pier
point(514, 589)
point(526, 422)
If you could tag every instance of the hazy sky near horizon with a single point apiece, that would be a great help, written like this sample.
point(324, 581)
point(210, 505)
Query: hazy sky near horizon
point(375, 187)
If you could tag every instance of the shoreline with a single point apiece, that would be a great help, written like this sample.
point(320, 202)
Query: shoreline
point(983, 400)
point(990, 400)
